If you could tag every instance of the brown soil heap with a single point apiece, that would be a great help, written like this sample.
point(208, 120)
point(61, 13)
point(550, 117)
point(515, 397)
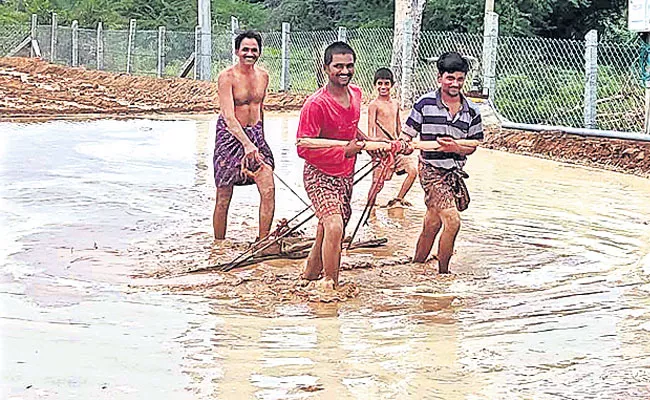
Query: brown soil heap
point(32, 88)
point(627, 156)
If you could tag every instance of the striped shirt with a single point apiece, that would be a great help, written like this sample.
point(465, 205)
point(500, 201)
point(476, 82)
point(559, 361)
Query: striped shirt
point(431, 120)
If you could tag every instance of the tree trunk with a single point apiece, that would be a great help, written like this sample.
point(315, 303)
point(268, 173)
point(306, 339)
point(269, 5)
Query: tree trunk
point(404, 10)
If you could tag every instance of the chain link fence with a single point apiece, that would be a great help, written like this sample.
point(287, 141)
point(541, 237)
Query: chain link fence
point(11, 36)
point(542, 81)
point(538, 80)
point(620, 104)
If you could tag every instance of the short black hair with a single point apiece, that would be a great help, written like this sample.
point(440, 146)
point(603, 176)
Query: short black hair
point(338, 48)
point(452, 62)
point(384, 73)
point(248, 35)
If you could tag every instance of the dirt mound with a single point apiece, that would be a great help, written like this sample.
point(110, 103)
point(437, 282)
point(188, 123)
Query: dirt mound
point(627, 156)
point(32, 88)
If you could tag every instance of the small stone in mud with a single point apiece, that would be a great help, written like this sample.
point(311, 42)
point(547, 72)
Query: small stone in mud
point(29, 386)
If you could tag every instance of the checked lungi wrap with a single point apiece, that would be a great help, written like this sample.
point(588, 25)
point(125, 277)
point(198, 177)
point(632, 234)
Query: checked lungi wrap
point(444, 188)
point(329, 195)
point(229, 152)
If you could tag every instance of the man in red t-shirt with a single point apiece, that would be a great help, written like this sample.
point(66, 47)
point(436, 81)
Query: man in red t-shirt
point(332, 113)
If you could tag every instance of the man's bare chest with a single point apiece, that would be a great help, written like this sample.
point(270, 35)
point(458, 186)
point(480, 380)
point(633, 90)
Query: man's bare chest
point(248, 91)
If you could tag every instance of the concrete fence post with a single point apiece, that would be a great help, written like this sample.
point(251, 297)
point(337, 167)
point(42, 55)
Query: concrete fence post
point(130, 44)
point(75, 43)
point(286, 42)
point(407, 63)
point(161, 51)
point(343, 34)
point(234, 29)
point(53, 37)
point(197, 49)
point(100, 46)
point(203, 59)
point(490, 44)
point(32, 35)
point(591, 78)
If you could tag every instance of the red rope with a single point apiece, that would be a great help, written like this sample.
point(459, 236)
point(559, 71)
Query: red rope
point(385, 167)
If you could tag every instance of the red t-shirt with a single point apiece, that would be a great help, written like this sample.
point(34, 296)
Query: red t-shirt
point(323, 117)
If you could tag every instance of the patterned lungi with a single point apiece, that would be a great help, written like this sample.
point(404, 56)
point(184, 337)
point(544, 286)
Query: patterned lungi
point(402, 162)
point(229, 152)
point(444, 188)
point(329, 195)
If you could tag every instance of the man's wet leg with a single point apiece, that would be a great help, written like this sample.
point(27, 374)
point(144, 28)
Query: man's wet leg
point(412, 173)
point(451, 225)
point(220, 215)
point(266, 189)
point(331, 250)
point(430, 229)
point(314, 265)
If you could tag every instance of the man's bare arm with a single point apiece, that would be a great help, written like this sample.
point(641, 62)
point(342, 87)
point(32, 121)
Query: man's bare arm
point(227, 105)
point(463, 147)
point(398, 121)
point(468, 147)
point(372, 120)
point(266, 87)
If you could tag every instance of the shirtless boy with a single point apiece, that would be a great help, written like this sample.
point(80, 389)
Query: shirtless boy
point(241, 154)
point(384, 122)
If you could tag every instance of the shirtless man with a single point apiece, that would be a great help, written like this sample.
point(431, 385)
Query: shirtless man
point(384, 123)
point(241, 154)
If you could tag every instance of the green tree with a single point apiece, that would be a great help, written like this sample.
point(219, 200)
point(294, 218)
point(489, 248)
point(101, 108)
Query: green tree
point(249, 13)
point(173, 14)
point(304, 15)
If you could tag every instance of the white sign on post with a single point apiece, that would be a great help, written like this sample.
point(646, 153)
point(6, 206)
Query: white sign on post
point(638, 15)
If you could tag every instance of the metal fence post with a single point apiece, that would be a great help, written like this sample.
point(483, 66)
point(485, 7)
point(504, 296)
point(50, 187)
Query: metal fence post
point(591, 78)
point(286, 40)
point(234, 29)
point(161, 51)
point(343, 34)
point(407, 62)
point(100, 46)
point(75, 43)
point(197, 47)
point(645, 36)
point(53, 37)
point(490, 44)
point(32, 34)
point(129, 49)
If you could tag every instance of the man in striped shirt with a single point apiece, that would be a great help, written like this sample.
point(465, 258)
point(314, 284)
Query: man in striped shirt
point(445, 116)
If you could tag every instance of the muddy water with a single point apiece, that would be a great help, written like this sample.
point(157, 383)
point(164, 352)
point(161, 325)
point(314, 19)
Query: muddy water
point(100, 220)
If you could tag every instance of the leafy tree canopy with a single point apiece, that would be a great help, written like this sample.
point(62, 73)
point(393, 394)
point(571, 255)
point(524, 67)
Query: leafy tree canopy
point(549, 18)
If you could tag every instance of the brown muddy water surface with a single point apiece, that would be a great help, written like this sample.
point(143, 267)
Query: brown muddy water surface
point(100, 220)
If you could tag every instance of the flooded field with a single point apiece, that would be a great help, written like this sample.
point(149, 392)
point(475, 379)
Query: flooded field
point(99, 221)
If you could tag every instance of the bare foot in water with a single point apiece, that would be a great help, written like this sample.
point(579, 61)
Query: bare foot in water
point(272, 250)
point(325, 285)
